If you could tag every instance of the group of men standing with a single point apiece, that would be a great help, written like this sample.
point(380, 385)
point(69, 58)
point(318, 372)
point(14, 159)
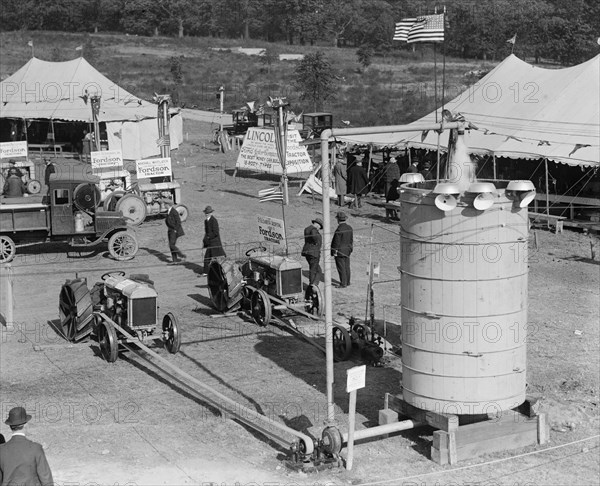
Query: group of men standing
point(341, 249)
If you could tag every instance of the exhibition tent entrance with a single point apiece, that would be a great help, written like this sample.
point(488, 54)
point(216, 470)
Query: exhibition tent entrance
point(60, 93)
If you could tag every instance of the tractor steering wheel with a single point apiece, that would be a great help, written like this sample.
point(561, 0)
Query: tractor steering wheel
point(256, 248)
point(118, 273)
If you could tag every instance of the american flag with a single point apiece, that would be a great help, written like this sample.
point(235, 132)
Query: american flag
point(272, 194)
point(426, 28)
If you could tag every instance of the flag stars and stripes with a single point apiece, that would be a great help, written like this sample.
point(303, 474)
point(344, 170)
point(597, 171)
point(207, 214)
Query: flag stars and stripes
point(426, 28)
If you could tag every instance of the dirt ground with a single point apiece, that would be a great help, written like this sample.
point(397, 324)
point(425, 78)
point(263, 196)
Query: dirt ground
point(128, 422)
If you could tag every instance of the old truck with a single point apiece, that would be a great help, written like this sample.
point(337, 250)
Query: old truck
point(69, 213)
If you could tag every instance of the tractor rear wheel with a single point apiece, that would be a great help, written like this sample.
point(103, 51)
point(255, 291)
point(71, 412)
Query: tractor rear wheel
point(261, 308)
point(107, 340)
point(171, 333)
point(122, 246)
point(225, 283)
point(8, 249)
point(342, 344)
point(133, 209)
point(75, 310)
point(110, 203)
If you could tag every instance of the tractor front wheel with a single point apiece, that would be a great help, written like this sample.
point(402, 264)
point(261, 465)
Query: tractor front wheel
point(107, 340)
point(171, 333)
point(261, 308)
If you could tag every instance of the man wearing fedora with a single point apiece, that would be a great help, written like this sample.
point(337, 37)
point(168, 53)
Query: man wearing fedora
point(341, 248)
point(174, 231)
point(312, 250)
point(212, 238)
point(22, 462)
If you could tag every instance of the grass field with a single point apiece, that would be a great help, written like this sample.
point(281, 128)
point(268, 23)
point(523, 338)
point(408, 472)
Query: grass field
point(394, 89)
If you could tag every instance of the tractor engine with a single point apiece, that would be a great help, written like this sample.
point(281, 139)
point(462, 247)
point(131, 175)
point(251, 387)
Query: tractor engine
point(277, 275)
point(130, 301)
point(152, 193)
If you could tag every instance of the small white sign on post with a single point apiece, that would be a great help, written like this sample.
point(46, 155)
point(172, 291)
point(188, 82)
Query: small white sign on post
point(104, 159)
point(147, 168)
point(355, 378)
point(13, 149)
point(271, 230)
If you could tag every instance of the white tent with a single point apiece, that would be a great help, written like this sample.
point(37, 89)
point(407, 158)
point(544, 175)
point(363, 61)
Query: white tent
point(522, 112)
point(61, 91)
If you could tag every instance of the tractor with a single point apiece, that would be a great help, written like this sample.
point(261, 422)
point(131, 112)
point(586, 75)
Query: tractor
point(118, 310)
point(262, 284)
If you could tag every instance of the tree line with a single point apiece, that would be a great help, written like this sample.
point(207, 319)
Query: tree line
point(565, 31)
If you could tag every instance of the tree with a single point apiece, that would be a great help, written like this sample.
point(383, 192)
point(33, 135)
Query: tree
point(269, 57)
point(364, 54)
point(315, 79)
point(338, 15)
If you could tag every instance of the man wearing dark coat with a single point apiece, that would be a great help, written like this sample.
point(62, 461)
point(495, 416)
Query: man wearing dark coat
point(23, 461)
point(392, 172)
point(212, 238)
point(174, 231)
point(312, 250)
point(341, 248)
point(359, 183)
point(13, 186)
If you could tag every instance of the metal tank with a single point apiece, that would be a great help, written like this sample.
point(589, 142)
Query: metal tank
point(464, 294)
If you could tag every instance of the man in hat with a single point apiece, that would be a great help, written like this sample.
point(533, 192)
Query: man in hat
point(312, 250)
point(22, 461)
point(359, 183)
point(341, 248)
point(426, 172)
point(13, 186)
point(174, 231)
point(392, 172)
point(212, 238)
point(50, 169)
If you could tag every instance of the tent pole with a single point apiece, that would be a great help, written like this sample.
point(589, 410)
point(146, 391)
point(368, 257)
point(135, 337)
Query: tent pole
point(53, 136)
point(494, 162)
point(437, 166)
point(547, 192)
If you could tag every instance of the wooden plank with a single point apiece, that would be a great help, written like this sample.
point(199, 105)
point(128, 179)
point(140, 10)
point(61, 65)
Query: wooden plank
point(442, 421)
point(512, 438)
point(543, 429)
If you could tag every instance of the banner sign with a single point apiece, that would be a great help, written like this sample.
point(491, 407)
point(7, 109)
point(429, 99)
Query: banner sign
point(147, 168)
point(258, 153)
point(271, 230)
point(103, 159)
point(13, 149)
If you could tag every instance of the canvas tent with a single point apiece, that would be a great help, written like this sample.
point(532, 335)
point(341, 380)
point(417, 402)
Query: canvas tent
point(521, 112)
point(61, 91)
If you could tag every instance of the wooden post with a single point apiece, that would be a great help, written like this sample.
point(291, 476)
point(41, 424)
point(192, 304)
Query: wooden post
point(6, 274)
point(494, 165)
point(351, 424)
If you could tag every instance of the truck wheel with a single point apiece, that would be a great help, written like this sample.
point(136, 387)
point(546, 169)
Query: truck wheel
point(34, 187)
point(122, 246)
point(133, 209)
point(8, 249)
point(183, 212)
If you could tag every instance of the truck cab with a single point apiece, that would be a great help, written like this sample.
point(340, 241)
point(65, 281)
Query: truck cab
point(314, 123)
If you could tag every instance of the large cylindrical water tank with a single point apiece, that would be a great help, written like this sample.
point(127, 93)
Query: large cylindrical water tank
point(464, 300)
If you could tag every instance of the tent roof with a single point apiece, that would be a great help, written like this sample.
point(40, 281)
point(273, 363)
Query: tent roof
point(522, 111)
point(61, 91)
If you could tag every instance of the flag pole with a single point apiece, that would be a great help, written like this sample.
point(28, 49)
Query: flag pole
point(435, 80)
